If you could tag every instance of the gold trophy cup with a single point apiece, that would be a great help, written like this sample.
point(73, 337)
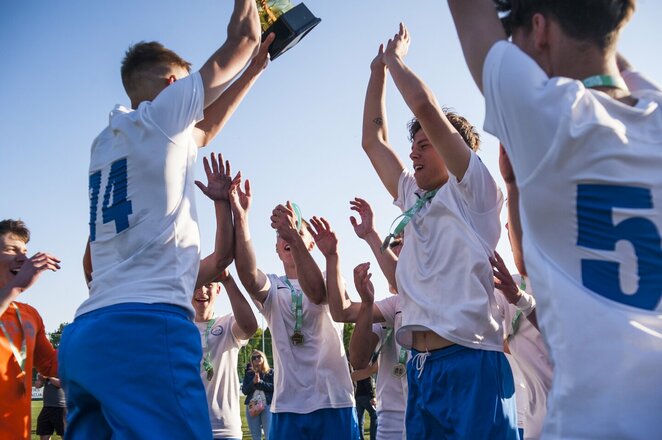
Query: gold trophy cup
point(290, 23)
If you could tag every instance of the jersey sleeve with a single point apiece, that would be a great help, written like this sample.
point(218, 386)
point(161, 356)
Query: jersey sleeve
point(229, 322)
point(478, 187)
point(387, 307)
point(524, 106)
point(178, 107)
point(45, 356)
point(406, 190)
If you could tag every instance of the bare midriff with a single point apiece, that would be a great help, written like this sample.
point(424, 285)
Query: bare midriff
point(429, 340)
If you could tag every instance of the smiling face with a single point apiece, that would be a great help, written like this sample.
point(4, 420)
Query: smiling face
point(429, 168)
point(13, 252)
point(204, 298)
point(283, 248)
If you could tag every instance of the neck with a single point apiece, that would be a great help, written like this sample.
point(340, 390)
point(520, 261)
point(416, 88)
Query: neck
point(205, 316)
point(290, 271)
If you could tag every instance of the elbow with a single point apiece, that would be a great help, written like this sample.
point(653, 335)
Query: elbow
point(422, 103)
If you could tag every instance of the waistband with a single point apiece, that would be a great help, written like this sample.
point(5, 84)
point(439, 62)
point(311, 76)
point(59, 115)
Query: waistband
point(139, 308)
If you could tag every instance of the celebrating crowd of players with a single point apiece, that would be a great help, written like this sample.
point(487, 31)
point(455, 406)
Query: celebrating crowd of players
point(581, 134)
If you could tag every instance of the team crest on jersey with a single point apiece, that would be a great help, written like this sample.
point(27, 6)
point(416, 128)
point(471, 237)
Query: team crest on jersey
point(217, 331)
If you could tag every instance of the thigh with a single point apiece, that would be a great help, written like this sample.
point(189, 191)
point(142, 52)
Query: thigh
point(155, 354)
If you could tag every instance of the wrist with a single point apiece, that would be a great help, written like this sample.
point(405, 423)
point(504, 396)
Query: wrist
point(526, 303)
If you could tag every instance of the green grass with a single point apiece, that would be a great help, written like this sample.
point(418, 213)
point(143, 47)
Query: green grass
point(37, 404)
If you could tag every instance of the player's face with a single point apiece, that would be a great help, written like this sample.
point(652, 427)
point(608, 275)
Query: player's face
point(283, 248)
point(429, 168)
point(12, 256)
point(205, 297)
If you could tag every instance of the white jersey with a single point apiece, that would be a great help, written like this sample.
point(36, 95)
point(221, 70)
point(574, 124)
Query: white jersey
point(144, 235)
point(588, 172)
point(391, 389)
point(532, 368)
point(223, 389)
point(309, 376)
point(444, 275)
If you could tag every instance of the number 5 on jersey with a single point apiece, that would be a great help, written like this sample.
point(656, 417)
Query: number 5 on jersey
point(596, 230)
point(119, 208)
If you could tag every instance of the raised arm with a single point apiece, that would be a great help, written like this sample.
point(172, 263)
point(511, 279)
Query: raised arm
point(218, 113)
point(308, 273)
point(245, 323)
point(375, 131)
point(366, 231)
point(363, 341)
point(420, 99)
point(242, 41)
point(87, 263)
point(219, 183)
point(254, 280)
point(478, 27)
point(514, 223)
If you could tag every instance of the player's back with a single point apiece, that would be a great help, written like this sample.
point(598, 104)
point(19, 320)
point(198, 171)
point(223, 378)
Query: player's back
point(144, 238)
point(592, 219)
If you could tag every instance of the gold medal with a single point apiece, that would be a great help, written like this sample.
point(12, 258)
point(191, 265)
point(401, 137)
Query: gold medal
point(297, 338)
point(399, 370)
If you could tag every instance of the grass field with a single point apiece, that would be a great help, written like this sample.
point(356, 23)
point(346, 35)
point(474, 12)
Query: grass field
point(37, 404)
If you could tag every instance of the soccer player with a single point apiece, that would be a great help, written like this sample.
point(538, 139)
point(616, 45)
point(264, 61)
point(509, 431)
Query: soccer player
point(135, 329)
point(222, 337)
point(586, 154)
point(451, 226)
point(23, 341)
point(312, 386)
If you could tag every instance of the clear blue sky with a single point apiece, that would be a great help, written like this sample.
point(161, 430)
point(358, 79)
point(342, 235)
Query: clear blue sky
point(296, 136)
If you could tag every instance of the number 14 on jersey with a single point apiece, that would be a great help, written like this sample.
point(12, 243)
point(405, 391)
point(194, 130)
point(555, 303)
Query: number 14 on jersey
point(115, 207)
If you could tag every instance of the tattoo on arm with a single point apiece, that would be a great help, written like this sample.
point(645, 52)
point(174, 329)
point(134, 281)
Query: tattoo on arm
point(378, 121)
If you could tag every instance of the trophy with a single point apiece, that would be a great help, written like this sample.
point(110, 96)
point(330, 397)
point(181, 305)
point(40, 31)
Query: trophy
point(290, 23)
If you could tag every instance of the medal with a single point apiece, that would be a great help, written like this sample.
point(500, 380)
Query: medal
point(399, 370)
point(297, 311)
point(297, 338)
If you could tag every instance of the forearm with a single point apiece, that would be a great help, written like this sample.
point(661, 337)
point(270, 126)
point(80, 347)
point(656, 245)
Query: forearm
point(218, 113)
point(308, 273)
point(87, 263)
point(249, 275)
point(515, 227)
point(243, 314)
point(339, 304)
point(212, 265)
point(362, 343)
point(387, 260)
point(375, 133)
point(243, 37)
point(8, 294)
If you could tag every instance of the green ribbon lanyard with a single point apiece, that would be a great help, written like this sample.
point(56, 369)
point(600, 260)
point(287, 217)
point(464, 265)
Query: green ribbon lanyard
point(297, 311)
point(406, 217)
point(615, 82)
point(206, 362)
point(389, 333)
point(518, 314)
point(19, 355)
point(403, 356)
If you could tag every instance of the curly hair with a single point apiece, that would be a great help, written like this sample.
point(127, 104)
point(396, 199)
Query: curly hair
point(464, 127)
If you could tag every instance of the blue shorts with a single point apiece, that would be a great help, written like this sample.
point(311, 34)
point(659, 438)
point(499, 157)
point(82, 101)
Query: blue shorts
point(460, 393)
point(132, 371)
point(323, 424)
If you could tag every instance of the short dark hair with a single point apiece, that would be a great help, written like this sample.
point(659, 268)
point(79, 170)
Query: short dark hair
point(145, 56)
point(464, 127)
point(15, 227)
point(597, 21)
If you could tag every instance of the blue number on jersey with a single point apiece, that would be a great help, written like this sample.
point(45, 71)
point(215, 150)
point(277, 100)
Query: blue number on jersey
point(121, 208)
point(596, 230)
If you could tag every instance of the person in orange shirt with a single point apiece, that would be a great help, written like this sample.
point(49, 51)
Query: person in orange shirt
point(23, 341)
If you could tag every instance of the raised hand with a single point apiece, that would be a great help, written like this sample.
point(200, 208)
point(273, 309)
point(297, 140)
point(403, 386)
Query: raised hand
point(378, 62)
point(32, 268)
point(240, 201)
point(261, 58)
point(284, 222)
point(325, 239)
point(503, 280)
point(363, 284)
point(219, 178)
point(398, 46)
point(364, 210)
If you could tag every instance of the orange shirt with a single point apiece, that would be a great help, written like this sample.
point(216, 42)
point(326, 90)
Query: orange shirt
point(15, 404)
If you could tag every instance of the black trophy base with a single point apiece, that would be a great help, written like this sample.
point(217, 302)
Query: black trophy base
point(290, 28)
